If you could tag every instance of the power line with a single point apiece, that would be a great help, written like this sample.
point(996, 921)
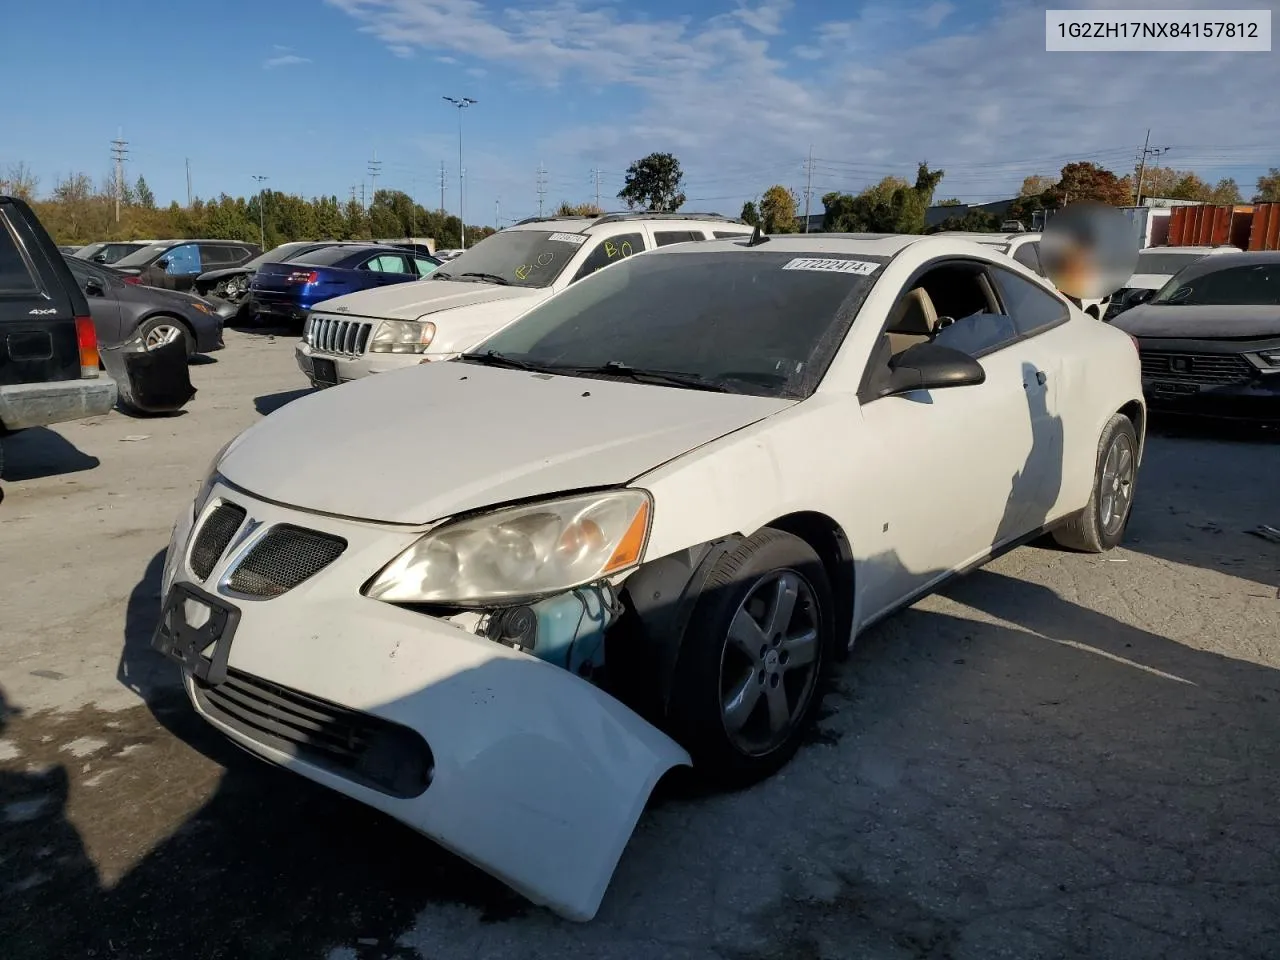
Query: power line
point(542, 186)
point(597, 174)
point(375, 170)
point(188, 182)
point(1147, 151)
point(442, 188)
point(119, 153)
point(808, 186)
point(262, 232)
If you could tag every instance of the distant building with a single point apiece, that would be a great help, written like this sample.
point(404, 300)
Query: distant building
point(937, 214)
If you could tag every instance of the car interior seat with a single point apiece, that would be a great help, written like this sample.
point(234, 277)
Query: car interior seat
point(913, 320)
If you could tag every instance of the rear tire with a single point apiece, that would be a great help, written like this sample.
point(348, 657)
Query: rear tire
point(1100, 526)
point(752, 665)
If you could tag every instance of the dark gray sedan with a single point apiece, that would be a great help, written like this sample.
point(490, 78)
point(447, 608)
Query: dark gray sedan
point(122, 310)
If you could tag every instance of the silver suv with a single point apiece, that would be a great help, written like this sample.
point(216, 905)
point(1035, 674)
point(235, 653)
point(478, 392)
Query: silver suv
point(482, 289)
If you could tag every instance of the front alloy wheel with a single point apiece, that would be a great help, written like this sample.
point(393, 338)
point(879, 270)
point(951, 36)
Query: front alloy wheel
point(750, 672)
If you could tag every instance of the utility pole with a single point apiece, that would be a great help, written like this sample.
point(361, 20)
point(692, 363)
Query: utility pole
point(597, 174)
point(497, 219)
point(542, 187)
point(1147, 151)
point(262, 230)
point(188, 182)
point(808, 186)
point(375, 170)
point(413, 206)
point(442, 188)
point(363, 205)
point(119, 153)
point(461, 103)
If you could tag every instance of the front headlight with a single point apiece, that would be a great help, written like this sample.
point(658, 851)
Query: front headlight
point(402, 336)
point(518, 553)
point(1271, 357)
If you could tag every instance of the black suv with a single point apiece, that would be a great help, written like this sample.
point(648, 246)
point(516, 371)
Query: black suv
point(175, 264)
point(48, 347)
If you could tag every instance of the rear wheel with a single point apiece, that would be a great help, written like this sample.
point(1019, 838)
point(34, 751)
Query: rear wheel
point(1101, 524)
point(751, 668)
point(158, 331)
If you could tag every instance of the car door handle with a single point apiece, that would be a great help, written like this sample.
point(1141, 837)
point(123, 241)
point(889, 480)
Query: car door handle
point(1041, 377)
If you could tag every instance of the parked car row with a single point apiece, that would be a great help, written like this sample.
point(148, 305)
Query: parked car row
point(572, 589)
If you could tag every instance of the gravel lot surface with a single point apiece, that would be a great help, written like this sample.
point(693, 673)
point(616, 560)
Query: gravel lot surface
point(1062, 756)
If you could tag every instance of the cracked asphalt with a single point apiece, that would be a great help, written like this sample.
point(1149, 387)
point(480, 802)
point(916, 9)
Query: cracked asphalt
point(1060, 756)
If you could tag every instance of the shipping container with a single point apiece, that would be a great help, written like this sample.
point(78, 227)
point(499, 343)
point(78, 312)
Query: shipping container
point(1247, 226)
point(1265, 232)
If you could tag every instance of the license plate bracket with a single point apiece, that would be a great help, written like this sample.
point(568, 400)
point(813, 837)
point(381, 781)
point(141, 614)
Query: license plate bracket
point(324, 372)
point(177, 639)
point(1169, 388)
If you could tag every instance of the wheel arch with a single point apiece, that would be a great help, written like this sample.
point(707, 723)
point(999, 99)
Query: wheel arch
point(161, 314)
point(831, 544)
point(1136, 411)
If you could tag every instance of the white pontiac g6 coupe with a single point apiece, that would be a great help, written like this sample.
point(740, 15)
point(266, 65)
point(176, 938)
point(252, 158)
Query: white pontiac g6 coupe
point(498, 597)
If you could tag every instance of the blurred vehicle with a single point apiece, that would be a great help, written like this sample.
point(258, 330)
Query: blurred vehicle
point(175, 264)
point(123, 310)
point(111, 251)
point(68, 250)
point(498, 598)
point(288, 291)
point(1210, 338)
point(48, 346)
point(447, 255)
point(483, 288)
point(419, 245)
point(1155, 266)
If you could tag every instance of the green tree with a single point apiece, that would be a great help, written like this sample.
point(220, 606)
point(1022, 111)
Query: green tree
point(778, 210)
point(973, 221)
point(1089, 181)
point(952, 202)
point(1035, 185)
point(567, 209)
point(19, 181)
point(654, 183)
point(749, 213)
point(146, 199)
point(1268, 187)
point(1225, 190)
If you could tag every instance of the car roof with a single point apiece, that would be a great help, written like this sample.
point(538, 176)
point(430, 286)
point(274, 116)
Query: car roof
point(579, 224)
point(1225, 248)
point(867, 244)
point(1250, 258)
point(988, 238)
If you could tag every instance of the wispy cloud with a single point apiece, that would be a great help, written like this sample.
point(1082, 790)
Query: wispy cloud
point(284, 60)
point(895, 83)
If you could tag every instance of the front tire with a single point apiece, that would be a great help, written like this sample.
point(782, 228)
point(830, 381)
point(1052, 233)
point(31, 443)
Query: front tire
point(157, 331)
point(750, 674)
point(1100, 526)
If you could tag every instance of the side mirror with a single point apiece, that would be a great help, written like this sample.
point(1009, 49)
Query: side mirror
point(163, 263)
point(98, 258)
point(93, 287)
point(930, 366)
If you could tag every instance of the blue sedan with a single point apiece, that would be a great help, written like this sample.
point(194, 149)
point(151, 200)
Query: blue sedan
point(288, 291)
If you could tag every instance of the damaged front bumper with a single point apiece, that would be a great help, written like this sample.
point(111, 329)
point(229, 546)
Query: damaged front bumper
point(517, 765)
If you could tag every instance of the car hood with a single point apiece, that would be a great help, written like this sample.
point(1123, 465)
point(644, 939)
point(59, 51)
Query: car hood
point(225, 272)
point(409, 301)
point(434, 440)
point(1167, 322)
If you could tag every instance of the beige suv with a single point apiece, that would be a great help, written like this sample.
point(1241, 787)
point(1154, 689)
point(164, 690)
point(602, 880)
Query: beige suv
point(481, 290)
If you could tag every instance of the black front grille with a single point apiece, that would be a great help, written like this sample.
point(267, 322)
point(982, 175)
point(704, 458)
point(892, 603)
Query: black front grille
point(370, 751)
point(214, 538)
point(1215, 368)
point(282, 559)
point(345, 337)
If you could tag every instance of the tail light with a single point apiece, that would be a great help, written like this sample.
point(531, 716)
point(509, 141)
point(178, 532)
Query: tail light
point(87, 341)
point(130, 278)
point(303, 276)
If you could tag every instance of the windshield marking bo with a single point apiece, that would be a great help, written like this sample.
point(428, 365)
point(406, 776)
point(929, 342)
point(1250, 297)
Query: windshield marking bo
point(578, 238)
point(863, 268)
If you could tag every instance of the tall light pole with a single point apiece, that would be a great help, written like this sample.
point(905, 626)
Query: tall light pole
point(461, 103)
point(262, 231)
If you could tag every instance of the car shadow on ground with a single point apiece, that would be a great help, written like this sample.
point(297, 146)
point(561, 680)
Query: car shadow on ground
point(202, 360)
point(271, 402)
point(41, 452)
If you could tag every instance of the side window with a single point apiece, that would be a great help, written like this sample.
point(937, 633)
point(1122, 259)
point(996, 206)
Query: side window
point(726, 234)
point(388, 263)
point(1033, 309)
point(182, 260)
point(214, 255)
point(664, 237)
point(608, 251)
point(970, 320)
point(425, 267)
point(1028, 254)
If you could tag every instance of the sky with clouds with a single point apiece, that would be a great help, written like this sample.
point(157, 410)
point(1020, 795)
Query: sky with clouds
point(308, 92)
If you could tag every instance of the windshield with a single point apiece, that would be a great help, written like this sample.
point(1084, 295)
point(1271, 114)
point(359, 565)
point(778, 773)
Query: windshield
point(328, 256)
point(752, 322)
point(1253, 285)
point(140, 258)
point(521, 258)
point(1164, 264)
point(278, 254)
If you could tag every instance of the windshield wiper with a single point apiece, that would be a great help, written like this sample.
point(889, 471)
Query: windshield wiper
point(665, 378)
point(489, 278)
point(441, 275)
point(492, 358)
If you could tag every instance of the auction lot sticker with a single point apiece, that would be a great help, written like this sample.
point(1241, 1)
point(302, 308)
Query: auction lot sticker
point(863, 268)
point(577, 238)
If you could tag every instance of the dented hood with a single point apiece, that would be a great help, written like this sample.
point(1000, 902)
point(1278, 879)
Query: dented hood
point(409, 301)
point(427, 442)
